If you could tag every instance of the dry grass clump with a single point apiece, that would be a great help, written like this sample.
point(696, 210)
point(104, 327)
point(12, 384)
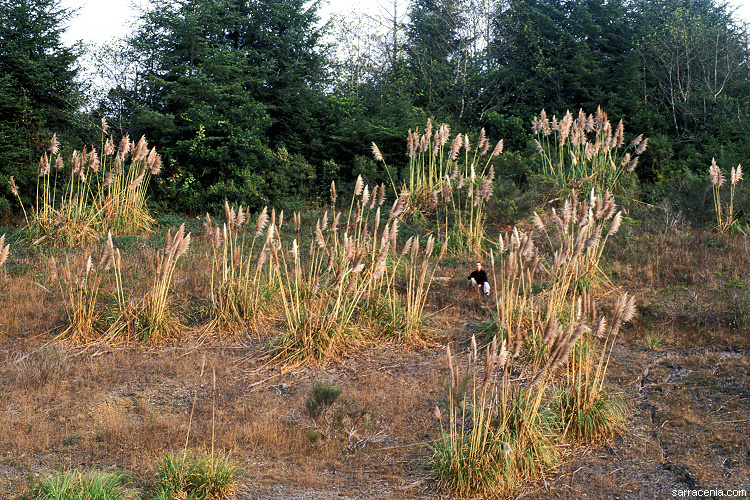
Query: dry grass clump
point(502, 431)
point(585, 152)
point(587, 409)
point(351, 276)
point(500, 437)
point(154, 320)
point(450, 183)
point(241, 292)
point(120, 316)
point(508, 431)
point(726, 218)
point(539, 276)
point(81, 284)
point(101, 192)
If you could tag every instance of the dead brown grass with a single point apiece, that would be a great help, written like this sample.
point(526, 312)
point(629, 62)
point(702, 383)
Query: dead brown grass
point(122, 405)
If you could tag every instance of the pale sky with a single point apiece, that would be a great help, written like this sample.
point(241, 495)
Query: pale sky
point(101, 20)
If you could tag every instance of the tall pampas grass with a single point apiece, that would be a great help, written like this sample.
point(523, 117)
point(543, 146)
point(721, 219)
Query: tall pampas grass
point(100, 193)
point(726, 218)
point(155, 321)
point(240, 291)
point(585, 152)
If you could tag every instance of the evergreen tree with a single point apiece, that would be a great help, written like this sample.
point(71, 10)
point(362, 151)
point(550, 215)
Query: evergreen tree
point(197, 102)
point(38, 92)
point(228, 82)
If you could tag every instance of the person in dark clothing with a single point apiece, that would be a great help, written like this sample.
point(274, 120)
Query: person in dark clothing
point(478, 279)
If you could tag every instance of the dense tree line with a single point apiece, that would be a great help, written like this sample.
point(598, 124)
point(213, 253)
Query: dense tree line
point(248, 100)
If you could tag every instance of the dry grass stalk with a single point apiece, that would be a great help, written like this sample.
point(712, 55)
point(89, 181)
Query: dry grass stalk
point(4, 250)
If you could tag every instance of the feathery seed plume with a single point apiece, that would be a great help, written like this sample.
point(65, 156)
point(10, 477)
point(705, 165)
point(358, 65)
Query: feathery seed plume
point(124, 148)
point(109, 147)
point(141, 149)
point(641, 147)
point(381, 196)
point(375, 153)
point(454, 171)
point(455, 146)
point(319, 236)
point(183, 246)
point(536, 125)
point(407, 246)
point(358, 186)
point(736, 174)
point(43, 165)
point(430, 244)
point(136, 182)
point(394, 234)
point(4, 250)
point(54, 145)
point(445, 132)
point(410, 146)
point(632, 164)
point(498, 148)
point(436, 143)
point(260, 224)
point(424, 144)
point(565, 126)
point(716, 175)
point(480, 141)
point(615, 225)
point(365, 195)
point(600, 329)
point(546, 129)
point(538, 224)
point(619, 138)
point(94, 160)
point(13, 188)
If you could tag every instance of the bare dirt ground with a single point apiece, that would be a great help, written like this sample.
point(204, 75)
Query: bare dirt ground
point(122, 407)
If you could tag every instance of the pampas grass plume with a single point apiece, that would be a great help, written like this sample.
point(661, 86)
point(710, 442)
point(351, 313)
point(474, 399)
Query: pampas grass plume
point(736, 174)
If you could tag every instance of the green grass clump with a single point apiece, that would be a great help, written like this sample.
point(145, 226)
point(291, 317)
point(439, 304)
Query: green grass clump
point(91, 485)
point(588, 416)
point(192, 476)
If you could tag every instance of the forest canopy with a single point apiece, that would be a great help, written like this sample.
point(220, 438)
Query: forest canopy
point(260, 102)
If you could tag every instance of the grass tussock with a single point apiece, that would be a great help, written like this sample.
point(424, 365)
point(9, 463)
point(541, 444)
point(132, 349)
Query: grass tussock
point(586, 152)
point(191, 475)
point(87, 485)
point(503, 431)
point(450, 181)
point(97, 192)
point(726, 218)
point(355, 276)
